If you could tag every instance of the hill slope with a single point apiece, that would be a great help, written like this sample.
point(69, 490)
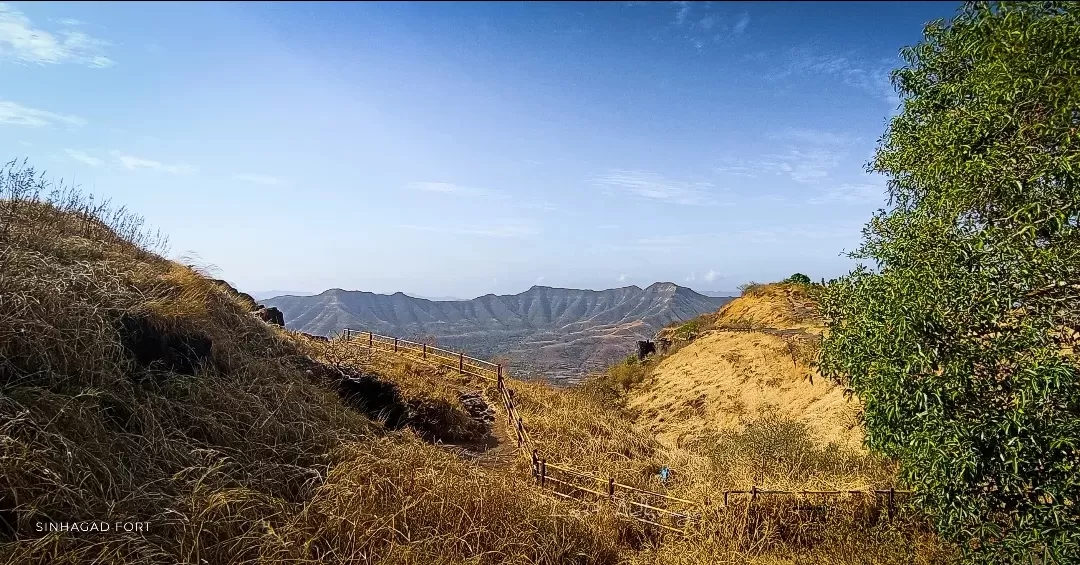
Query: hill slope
point(552, 330)
point(724, 379)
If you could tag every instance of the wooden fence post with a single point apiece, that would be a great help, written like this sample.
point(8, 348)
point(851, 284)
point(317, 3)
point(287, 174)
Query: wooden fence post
point(461, 363)
point(395, 345)
point(498, 372)
point(425, 351)
point(519, 434)
point(892, 492)
point(753, 494)
point(370, 340)
point(725, 498)
point(611, 489)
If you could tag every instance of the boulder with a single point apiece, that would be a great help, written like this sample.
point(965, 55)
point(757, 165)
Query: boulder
point(270, 315)
point(645, 348)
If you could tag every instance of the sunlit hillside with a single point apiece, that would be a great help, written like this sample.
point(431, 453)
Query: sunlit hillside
point(726, 378)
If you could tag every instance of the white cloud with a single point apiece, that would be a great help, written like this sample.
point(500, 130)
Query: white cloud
point(132, 163)
point(259, 179)
point(873, 191)
point(643, 184)
point(71, 22)
point(539, 280)
point(82, 157)
point(25, 143)
point(17, 114)
point(20, 41)
point(742, 24)
point(624, 277)
point(691, 278)
point(870, 77)
point(681, 15)
point(711, 275)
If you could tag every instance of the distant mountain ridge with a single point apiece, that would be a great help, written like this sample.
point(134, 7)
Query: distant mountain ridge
point(544, 329)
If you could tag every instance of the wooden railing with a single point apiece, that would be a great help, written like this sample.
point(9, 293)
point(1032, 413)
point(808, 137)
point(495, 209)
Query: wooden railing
point(639, 504)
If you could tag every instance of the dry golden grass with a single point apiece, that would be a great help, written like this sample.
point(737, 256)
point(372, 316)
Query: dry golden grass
point(252, 456)
point(248, 457)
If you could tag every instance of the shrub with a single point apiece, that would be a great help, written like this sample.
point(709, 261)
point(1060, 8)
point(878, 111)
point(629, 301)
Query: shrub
point(960, 341)
point(798, 278)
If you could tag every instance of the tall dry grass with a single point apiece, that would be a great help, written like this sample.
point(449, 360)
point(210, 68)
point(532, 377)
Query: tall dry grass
point(247, 457)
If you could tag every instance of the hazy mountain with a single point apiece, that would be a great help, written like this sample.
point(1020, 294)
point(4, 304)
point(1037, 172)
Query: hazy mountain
point(436, 298)
point(720, 293)
point(264, 294)
point(544, 329)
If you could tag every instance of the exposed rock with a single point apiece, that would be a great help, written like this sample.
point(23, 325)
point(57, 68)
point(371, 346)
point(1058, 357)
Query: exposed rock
point(477, 407)
point(243, 296)
point(377, 398)
point(270, 315)
point(152, 347)
point(644, 348)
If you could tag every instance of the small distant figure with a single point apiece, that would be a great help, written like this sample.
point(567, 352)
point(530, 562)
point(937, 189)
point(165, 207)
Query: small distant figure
point(664, 474)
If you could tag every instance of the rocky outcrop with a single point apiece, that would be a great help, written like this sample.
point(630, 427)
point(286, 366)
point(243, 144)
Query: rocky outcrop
point(270, 315)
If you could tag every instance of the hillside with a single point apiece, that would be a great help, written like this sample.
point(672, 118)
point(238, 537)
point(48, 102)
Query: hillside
point(724, 379)
point(555, 331)
point(135, 390)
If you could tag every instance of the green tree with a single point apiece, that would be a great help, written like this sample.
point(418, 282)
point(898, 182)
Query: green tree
point(959, 336)
point(798, 278)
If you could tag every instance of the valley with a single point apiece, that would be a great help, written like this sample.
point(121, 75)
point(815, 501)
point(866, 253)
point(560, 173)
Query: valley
point(559, 333)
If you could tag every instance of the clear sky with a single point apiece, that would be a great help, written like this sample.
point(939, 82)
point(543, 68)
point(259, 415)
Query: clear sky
point(457, 149)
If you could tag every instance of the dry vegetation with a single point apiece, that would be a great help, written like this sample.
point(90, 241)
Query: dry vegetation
point(133, 388)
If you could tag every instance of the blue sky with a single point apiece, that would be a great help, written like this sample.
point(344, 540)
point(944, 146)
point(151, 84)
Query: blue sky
point(466, 148)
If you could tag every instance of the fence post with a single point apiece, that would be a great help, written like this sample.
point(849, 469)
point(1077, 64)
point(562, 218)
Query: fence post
point(543, 472)
point(461, 362)
point(395, 345)
point(725, 498)
point(892, 491)
point(753, 494)
point(345, 334)
point(498, 371)
point(370, 340)
point(425, 351)
point(519, 434)
point(611, 489)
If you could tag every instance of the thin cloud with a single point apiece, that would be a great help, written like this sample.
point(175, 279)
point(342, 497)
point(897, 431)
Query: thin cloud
point(651, 186)
point(870, 77)
point(624, 277)
point(742, 24)
point(259, 179)
point(711, 276)
point(682, 13)
point(853, 192)
point(133, 163)
point(19, 115)
point(84, 158)
point(20, 41)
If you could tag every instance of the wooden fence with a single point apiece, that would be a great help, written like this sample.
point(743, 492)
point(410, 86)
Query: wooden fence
point(657, 509)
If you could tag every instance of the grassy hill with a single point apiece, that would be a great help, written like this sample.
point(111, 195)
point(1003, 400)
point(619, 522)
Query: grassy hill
point(134, 389)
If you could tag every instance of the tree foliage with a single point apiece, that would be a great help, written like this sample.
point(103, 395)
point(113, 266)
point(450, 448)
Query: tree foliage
point(960, 335)
point(798, 278)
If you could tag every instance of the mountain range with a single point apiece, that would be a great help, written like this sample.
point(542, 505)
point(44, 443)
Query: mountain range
point(558, 332)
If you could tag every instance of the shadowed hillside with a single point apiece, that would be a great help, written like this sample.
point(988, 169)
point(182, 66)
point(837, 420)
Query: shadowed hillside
point(544, 329)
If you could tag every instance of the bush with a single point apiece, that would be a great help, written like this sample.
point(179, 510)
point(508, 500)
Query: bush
point(798, 278)
point(960, 341)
